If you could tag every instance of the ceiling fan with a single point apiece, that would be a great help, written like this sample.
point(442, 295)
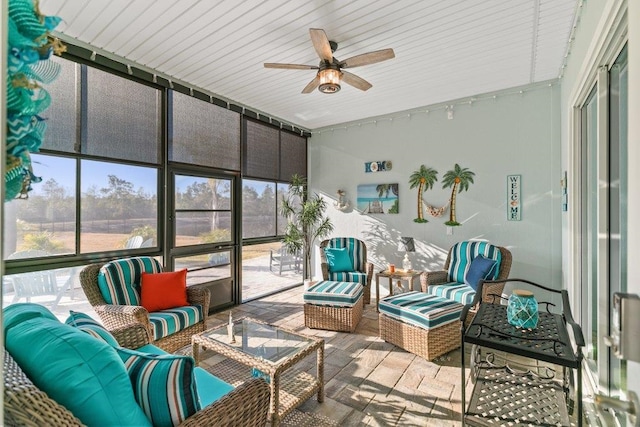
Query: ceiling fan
point(331, 70)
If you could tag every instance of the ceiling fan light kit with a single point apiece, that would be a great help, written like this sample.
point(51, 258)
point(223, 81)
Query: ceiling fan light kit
point(329, 80)
point(330, 73)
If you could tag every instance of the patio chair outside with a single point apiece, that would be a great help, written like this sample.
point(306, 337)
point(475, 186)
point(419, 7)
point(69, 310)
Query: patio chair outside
point(283, 260)
point(34, 284)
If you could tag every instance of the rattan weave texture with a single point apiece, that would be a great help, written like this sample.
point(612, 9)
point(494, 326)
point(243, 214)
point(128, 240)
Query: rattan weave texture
point(426, 343)
point(342, 319)
point(289, 387)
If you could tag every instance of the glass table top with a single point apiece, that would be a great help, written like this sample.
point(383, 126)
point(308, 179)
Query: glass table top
point(258, 339)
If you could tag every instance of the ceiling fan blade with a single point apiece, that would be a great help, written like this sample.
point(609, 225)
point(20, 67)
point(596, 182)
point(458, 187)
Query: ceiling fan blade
point(313, 84)
point(321, 44)
point(368, 58)
point(355, 81)
point(290, 66)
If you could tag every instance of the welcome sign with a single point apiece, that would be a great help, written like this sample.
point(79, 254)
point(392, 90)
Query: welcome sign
point(514, 208)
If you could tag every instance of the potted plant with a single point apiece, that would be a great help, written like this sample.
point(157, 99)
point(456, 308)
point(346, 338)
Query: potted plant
point(306, 220)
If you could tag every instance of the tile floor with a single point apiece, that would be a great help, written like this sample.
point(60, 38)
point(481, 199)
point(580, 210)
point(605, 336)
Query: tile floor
point(368, 382)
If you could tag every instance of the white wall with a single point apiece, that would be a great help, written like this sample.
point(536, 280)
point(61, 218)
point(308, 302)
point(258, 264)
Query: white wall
point(511, 134)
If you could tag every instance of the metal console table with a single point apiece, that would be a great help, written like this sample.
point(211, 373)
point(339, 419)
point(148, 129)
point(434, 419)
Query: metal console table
point(504, 395)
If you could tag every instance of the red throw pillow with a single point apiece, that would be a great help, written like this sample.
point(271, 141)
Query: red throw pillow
point(161, 291)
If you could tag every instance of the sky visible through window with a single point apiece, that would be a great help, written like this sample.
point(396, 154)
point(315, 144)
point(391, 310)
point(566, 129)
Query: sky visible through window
point(95, 174)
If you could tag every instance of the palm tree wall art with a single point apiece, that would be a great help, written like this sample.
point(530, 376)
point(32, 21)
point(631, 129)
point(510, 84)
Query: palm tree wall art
point(458, 179)
point(423, 178)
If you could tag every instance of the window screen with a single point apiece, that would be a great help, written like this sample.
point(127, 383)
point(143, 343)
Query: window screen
point(123, 118)
point(61, 115)
point(293, 155)
point(262, 151)
point(203, 133)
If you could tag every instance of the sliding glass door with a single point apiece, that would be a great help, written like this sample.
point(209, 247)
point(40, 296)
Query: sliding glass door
point(603, 217)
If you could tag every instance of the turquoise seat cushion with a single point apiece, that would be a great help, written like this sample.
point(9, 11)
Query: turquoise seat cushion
point(338, 260)
point(459, 292)
point(421, 309)
point(463, 253)
point(335, 294)
point(351, 276)
point(209, 387)
point(355, 248)
point(119, 280)
point(88, 324)
point(164, 385)
point(481, 268)
point(167, 322)
point(76, 370)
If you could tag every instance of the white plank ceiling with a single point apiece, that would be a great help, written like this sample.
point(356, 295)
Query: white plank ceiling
point(445, 50)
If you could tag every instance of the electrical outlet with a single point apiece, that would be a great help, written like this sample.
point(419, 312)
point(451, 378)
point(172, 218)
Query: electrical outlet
point(449, 231)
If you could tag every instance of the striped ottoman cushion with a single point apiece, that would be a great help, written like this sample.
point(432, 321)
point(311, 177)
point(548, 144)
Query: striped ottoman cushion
point(335, 294)
point(459, 292)
point(421, 309)
point(168, 322)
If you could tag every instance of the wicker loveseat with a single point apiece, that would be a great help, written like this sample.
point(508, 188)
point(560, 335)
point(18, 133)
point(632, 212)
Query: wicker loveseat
point(97, 390)
point(167, 329)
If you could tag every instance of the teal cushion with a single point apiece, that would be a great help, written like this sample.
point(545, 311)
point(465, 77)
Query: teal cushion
point(349, 276)
point(163, 385)
point(76, 370)
point(119, 280)
point(338, 259)
point(168, 322)
point(463, 253)
point(459, 292)
point(18, 313)
point(334, 294)
point(356, 249)
point(210, 387)
point(88, 324)
point(421, 309)
point(481, 268)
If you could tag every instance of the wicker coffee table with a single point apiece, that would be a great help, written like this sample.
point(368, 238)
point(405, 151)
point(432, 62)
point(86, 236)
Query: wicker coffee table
point(272, 353)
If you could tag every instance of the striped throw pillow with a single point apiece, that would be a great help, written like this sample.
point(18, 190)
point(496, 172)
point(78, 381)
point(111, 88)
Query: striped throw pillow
point(119, 280)
point(88, 324)
point(164, 385)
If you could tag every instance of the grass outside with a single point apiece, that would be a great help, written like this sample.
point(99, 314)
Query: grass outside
point(100, 242)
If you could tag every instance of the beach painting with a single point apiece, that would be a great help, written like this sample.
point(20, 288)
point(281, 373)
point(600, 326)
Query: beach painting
point(378, 198)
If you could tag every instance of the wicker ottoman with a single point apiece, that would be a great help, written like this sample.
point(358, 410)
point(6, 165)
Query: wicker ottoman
point(422, 324)
point(335, 306)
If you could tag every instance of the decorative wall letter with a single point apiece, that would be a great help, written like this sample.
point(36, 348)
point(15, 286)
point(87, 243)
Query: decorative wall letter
point(514, 208)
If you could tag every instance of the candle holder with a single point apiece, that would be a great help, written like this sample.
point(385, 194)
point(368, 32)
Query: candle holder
point(522, 309)
point(232, 336)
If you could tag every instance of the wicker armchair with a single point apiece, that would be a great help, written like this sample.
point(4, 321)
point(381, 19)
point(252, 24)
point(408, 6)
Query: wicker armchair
point(26, 405)
point(117, 316)
point(363, 270)
point(429, 278)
